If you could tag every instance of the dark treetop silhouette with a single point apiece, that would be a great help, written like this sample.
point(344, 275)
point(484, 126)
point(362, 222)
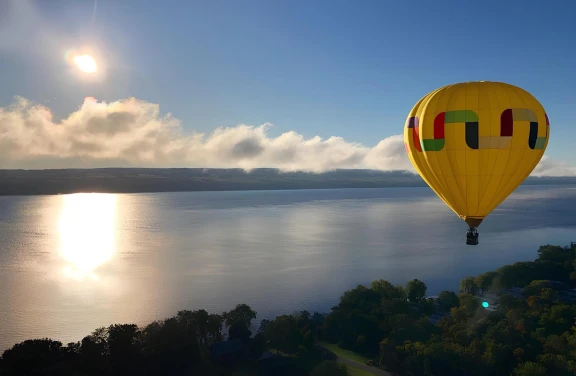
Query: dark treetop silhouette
point(518, 320)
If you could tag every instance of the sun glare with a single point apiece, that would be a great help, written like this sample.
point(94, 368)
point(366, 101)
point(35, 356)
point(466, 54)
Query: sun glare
point(85, 63)
point(87, 232)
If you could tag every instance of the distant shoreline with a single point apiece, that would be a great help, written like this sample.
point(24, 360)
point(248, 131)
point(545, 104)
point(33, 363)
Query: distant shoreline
point(161, 180)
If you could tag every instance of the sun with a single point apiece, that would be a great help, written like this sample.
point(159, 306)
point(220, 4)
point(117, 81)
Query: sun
point(85, 63)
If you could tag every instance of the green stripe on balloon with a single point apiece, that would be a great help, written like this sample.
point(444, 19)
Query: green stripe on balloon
point(468, 117)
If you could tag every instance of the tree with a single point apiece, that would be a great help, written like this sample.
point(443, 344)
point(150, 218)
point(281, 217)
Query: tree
point(387, 290)
point(535, 288)
point(214, 327)
point(94, 352)
point(309, 340)
point(282, 333)
point(448, 300)
point(263, 324)
point(31, 357)
point(484, 281)
point(170, 346)
point(360, 298)
point(508, 302)
point(330, 368)
point(361, 342)
point(427, 306)
point(240, 332)
point(304, 315)
point(208, 326)
point(387, 349)
point(529, 369)
point(520, 273)
point(555, 254)
point(122, 347)
point(242, 313)
point(416, 290)
point(468, 286)
point(469, 302)
point(558, 319)
point(573, 278)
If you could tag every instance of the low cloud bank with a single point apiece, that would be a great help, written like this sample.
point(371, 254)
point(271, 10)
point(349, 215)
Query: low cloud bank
point(133, 133)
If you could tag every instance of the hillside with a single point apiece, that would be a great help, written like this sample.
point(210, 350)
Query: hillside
point(136, 180)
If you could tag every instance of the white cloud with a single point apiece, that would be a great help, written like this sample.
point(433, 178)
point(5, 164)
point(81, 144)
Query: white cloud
point(133, 133)
point(550, 167)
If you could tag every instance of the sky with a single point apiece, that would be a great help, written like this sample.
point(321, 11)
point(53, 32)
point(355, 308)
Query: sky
point(309, 85)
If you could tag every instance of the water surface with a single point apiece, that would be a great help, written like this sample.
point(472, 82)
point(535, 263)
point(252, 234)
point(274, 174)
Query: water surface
point(72, 263)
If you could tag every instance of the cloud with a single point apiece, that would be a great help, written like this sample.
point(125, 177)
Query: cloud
point(133, 133)
point(550, 167)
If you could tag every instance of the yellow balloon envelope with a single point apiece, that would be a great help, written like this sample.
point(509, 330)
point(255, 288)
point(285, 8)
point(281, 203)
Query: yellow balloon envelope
point(474, 143)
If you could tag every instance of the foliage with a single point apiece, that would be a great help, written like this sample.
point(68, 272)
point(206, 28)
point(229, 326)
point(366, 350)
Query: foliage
point(241, 314)
point(330, 368)
point(448, 300)
point(416, 290)
point(532, 333)
point(529, 369)
point(468, 285)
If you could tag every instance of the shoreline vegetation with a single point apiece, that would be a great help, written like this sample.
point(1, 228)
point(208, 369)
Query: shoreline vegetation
point(517, 320)
point(148, 180)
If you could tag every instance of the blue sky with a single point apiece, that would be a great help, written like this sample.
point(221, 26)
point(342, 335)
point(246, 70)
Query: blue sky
point(329, 68)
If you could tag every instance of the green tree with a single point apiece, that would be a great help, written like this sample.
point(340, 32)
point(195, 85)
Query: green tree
point(282, 333)
point(468, 286)
point(535, 288)
point(448, 300)
point(242, 313)
point(558, 319)
point(573, 278)
point(469, 302)
point(518, 274)
point(484, 281)
point(309, 340)
point(555, 253)
point(170, 344)
point(518, 353)
point(263, 324)
point(31, 357)
point(240, 332)
point(123, 347)
point(304, 315)
point(387, 349)
point(387, 290)
point(330, 368)
point(529, 369)
point(416, 290)
point(207, 326)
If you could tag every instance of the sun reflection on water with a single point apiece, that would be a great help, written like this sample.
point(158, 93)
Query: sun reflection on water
point(87, 232)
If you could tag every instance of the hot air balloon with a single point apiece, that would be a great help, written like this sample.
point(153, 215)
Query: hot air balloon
point(474, 143)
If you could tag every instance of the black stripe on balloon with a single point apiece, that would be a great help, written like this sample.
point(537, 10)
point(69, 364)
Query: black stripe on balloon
point(472, 139)
point(533, 134)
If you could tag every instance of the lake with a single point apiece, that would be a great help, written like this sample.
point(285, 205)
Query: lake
point(72, 263)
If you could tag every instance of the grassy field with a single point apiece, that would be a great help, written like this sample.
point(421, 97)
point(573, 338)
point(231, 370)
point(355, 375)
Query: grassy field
point(343, 353)
point(358, 372)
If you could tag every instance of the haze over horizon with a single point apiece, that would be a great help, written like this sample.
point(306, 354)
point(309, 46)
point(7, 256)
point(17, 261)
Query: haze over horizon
point(206, 94)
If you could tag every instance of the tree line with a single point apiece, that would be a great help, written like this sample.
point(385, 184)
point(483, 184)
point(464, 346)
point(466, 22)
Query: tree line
point(533, 333)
